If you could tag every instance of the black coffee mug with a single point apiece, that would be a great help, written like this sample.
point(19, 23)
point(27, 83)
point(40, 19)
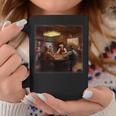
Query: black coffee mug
point(58, 55)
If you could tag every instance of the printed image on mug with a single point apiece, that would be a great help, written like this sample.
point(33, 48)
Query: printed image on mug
point(59, 48)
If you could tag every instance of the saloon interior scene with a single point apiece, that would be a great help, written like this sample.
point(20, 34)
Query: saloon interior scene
point(58, 48)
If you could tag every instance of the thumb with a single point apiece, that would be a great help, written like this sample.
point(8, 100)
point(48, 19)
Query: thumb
point(100, 95)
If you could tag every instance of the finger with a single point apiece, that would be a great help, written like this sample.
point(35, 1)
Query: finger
point(43, 106)
point(82, 107)
point(20, 74)
point(69, 107)
point(10, 66)
point(53, 102)
point(100, 95)
point(37, 102)
point(6, 51)
point(9, 32)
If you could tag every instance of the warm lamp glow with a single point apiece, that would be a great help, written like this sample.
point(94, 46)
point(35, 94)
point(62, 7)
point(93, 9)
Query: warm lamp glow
point(52, 34)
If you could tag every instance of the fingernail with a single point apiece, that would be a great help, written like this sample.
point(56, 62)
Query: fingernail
point(87, 94)
point(21, 23)
point(42, 97)
point(28, 99)
point(6, 23)
point(25, 100)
